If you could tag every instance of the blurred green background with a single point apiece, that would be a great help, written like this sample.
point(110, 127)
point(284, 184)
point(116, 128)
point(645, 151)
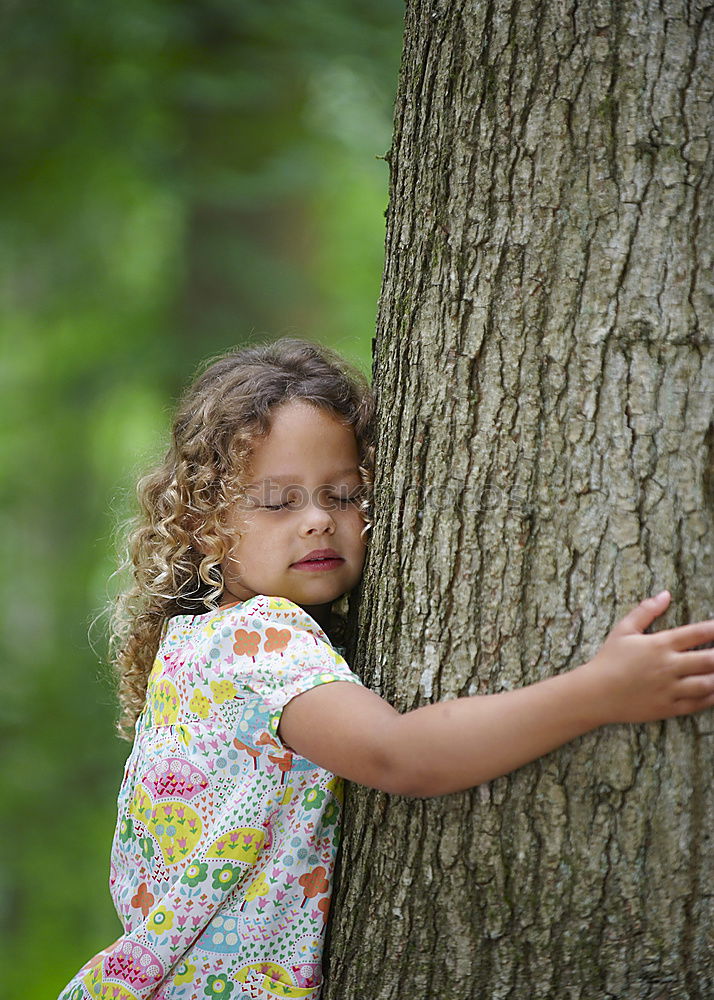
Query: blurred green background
point(177, 178)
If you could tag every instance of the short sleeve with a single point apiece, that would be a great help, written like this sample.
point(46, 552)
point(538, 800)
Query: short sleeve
point(278, 652)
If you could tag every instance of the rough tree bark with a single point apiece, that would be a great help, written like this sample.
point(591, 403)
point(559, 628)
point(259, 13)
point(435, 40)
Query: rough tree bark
point(544, 371)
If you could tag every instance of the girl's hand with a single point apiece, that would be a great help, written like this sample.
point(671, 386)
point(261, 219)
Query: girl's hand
point(642, 678)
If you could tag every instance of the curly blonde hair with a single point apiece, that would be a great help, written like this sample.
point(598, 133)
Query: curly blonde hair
point(176, 543)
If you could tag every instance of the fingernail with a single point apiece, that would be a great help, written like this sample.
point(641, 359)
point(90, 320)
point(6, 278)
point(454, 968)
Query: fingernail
point(662, 593)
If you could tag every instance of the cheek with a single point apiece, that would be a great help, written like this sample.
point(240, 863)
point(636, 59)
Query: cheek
point(242, 546)
point(264, 538)
point(360, 540)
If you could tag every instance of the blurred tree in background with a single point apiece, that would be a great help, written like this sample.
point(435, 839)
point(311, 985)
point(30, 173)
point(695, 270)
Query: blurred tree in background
point(177, 178)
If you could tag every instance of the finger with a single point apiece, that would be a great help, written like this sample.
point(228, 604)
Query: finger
point(686, 636)
point(643, 614)
point(699, 662)
point(692, 688)
point(687, 706)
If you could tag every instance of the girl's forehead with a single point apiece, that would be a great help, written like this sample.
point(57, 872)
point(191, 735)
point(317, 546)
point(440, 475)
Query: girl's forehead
point(304, 441)
point(297, 477)
point(300, 415)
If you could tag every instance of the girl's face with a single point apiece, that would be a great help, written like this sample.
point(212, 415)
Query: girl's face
point(302, 485)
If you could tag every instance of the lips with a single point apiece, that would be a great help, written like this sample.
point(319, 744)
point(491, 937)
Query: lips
point(318, 555)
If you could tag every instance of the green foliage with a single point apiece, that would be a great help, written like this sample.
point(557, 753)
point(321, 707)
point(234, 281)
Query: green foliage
point(177, 178)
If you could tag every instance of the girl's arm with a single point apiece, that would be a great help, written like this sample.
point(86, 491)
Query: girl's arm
point(453, 745)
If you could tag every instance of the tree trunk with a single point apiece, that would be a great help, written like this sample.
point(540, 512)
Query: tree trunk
point(544, 372)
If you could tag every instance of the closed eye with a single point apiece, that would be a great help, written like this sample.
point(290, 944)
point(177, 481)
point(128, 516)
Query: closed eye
point(340, 500)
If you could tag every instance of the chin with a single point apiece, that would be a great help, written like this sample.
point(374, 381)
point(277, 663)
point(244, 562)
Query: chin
point(318, 595)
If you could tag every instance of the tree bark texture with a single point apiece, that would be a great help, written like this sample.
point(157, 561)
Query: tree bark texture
point(544, 372)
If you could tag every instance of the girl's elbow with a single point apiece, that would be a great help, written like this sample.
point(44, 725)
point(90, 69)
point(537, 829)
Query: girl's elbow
point(403, 784)
point(415, 782)
point(403, 776)
point(399, 769)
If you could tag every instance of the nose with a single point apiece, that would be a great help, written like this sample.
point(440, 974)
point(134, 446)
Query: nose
point(316, 518)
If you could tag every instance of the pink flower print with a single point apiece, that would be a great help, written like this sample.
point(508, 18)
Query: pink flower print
point(214, 743)
point(197, 920)
point(180, 813)
point(220, 846)
point(182, 843)
point(167, 810)
point(280, 894)
point(290, 878)
point(201, 745)
point(175, 938)
point(133, 963)
point(234, 837)
point(307, 974)
point(275, 872)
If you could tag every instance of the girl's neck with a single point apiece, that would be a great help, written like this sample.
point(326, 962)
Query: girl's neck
point(323, 616)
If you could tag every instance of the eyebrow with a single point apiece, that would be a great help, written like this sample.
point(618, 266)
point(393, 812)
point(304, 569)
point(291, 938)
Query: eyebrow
point(296, 479)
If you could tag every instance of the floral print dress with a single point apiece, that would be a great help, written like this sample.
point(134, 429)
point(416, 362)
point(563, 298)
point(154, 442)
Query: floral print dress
point(223, 855)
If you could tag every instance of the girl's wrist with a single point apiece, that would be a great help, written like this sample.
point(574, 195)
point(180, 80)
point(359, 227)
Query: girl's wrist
point(592, 695)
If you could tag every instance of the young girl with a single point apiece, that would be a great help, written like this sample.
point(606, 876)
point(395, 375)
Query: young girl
point(246, 718)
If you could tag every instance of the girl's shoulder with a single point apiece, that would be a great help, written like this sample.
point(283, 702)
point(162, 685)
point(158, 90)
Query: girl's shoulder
point(258, 613)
